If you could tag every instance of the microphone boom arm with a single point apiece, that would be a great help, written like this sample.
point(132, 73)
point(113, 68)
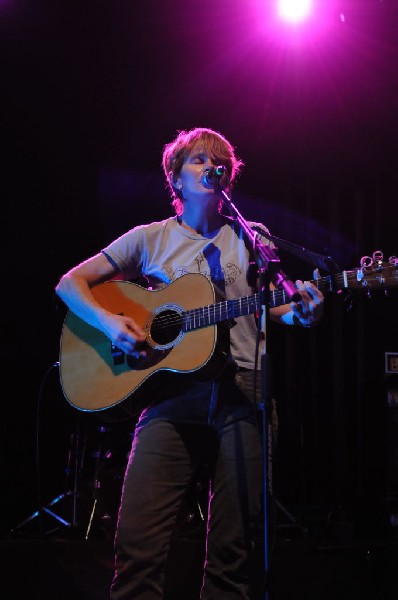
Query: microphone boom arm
point(267, 258)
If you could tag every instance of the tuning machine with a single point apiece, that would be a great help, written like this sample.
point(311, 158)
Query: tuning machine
point(374, 264)
point(376, 260)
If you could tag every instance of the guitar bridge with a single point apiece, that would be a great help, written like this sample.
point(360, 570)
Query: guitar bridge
point(117, 355)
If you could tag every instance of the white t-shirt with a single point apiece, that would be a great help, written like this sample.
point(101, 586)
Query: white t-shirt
point(163, 251)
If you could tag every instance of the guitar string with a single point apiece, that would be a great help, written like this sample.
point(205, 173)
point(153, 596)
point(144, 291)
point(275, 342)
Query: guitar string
point(200, 313)
point(167, 321)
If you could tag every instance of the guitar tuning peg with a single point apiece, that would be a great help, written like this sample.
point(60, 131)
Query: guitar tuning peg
point(393, 261)
point(366, 262)
point(378, 257)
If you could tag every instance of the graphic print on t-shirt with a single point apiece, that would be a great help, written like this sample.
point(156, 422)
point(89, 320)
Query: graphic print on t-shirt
point(208, 263)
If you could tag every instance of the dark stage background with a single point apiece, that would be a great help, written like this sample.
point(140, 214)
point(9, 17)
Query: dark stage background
point(90, 94)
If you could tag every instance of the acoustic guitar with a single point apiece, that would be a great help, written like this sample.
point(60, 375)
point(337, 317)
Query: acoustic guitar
point(180, 321)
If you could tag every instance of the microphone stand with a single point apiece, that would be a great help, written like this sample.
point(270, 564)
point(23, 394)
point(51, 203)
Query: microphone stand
point(268, 269)
point(319, 261)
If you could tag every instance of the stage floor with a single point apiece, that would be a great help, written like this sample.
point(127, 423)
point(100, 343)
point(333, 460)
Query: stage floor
point(300, 570)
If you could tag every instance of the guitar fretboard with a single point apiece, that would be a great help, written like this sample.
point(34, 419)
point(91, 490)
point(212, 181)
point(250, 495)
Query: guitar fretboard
point(378, 277)
point(231, 309)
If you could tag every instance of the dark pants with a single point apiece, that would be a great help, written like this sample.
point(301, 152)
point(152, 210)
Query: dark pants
point(164, 457)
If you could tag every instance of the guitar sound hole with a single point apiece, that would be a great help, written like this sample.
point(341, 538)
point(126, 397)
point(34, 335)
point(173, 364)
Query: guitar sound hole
point(166, 327)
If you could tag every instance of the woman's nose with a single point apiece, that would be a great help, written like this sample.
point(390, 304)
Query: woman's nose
point(209, 164)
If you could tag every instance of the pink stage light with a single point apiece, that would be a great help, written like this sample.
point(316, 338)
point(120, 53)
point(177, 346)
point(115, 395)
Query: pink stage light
point(298, 22)
point(294, 11)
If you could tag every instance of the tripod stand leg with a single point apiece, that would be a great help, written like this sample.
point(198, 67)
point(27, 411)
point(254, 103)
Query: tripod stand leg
point(91, 518)
point(294, 522)
point(47, 510)
point(57, 517)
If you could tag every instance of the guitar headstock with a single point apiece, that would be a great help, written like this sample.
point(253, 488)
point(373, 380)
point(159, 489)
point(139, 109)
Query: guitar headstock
point(374, 273)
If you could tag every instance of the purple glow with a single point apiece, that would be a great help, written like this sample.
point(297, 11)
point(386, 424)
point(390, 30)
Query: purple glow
point(294, 11)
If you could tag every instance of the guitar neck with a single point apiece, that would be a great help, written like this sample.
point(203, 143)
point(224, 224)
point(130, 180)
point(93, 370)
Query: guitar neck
point(247, 305)
point(381, 276)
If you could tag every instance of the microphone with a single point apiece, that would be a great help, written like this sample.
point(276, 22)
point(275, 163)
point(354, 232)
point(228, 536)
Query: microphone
point(211, 177)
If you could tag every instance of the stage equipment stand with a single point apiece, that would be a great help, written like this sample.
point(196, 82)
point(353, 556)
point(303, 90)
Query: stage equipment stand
point(73, 468)
point(80, 504)
point(268, 270)
point(100, 455)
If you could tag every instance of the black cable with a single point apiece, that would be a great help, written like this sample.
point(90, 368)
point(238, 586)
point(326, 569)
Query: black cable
point(37, 447)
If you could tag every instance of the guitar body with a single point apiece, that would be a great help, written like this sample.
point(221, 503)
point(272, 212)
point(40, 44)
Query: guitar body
point(96, 376)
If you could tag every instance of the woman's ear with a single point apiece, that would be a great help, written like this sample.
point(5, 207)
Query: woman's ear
point(175, 181)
